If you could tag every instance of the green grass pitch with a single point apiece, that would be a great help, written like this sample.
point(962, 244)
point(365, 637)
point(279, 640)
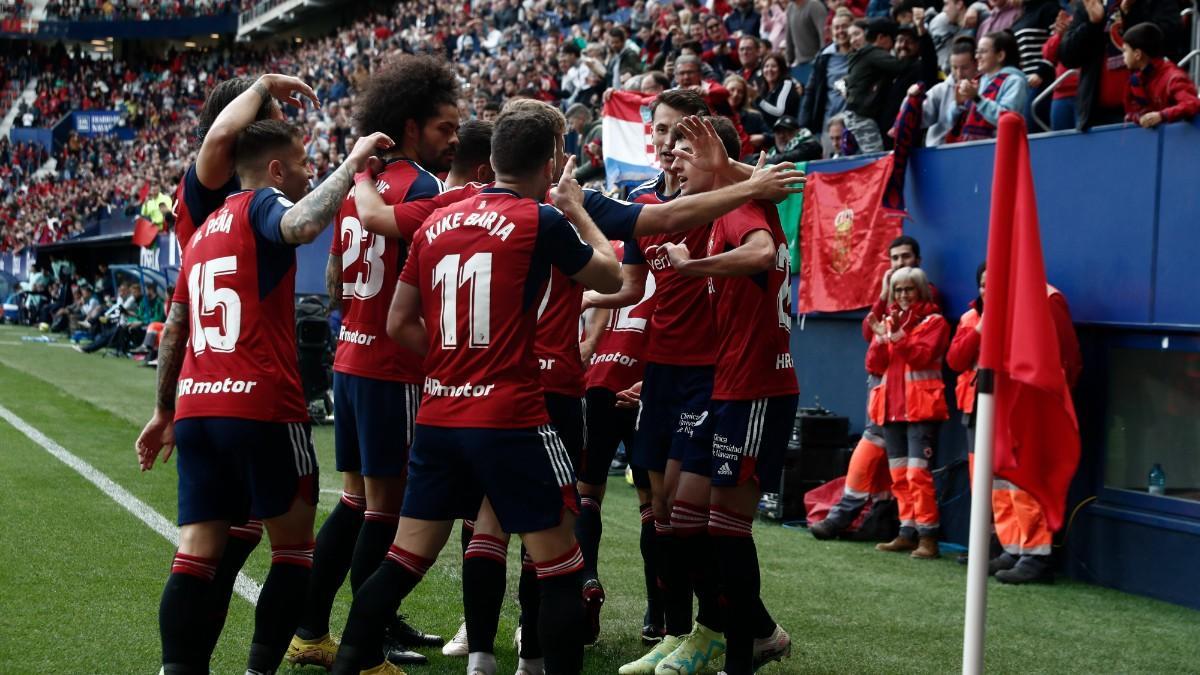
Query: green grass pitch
point(80, 577)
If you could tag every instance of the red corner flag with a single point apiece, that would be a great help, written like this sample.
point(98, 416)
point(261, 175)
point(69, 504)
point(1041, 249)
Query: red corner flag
point(145, 233)
point(1037, 435)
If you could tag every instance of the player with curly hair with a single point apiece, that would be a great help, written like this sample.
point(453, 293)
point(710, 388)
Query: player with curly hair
point(376, 382)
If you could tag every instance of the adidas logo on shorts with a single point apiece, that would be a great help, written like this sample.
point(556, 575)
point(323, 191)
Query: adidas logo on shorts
point(725, 470)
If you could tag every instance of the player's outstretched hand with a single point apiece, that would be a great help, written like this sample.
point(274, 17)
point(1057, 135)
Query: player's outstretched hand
point(365, 147)
point(290, 90)
point(776, 181)
point(708, 153)
point(567, 193)
point(158, 434)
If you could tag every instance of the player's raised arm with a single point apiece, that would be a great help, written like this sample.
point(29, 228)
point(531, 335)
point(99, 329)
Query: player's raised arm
point(215, 160)
point(602, 272)
point(312, 214)
point(633, 287)
point(767, 183)
point(374, 214)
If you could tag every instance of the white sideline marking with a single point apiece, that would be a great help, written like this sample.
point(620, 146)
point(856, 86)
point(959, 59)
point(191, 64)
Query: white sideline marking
point(244, 585)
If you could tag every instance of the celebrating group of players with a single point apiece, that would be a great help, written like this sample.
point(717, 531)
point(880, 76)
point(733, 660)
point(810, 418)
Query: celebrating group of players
point(462, 388)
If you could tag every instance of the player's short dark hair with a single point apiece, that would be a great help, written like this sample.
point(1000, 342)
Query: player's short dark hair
point(571, 48)
point(618, 32)
point(686, 101)
point(264, 139)
point(474, 144)
point(725, 131)
point(905, 240)
point(963, 45)
point(491, 106)
point(1147, 37)
point(221, 96)
point(881, 26)
point(523, 140)
point(407, 87)
point(1003, 41)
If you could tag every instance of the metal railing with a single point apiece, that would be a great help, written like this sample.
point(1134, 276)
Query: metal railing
point(1194, 44)
point(1046, 92)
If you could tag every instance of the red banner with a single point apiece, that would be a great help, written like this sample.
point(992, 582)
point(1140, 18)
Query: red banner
point(145, 233)
point(844, 235)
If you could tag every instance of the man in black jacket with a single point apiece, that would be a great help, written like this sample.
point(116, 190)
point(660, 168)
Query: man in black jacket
point(872, 70)
point(915, 49)
point(1089, 46)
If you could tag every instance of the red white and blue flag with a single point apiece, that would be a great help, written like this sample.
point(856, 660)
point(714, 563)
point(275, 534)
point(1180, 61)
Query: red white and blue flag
point(628, 150)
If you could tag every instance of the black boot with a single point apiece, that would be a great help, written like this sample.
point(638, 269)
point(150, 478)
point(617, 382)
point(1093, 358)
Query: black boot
point(826, 529)
point(1002, 563)
point(1030, 569)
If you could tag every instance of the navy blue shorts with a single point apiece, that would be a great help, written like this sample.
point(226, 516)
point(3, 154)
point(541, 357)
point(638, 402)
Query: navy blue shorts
point(750, 439)
point(673, 421)
point(567, 416)
point(234, 469)
point(525, 474)
point(607, 428)
point(373, 424)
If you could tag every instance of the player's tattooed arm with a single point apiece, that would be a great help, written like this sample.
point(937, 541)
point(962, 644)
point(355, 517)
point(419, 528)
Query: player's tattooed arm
point(159, 433)
point(333, 281)
point(170, 354)
point(312, 214)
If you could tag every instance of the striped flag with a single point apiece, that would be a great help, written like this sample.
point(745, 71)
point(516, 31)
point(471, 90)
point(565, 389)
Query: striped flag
point(628, 151)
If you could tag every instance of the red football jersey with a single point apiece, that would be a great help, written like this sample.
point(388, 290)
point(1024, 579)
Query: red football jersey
point(753, 313)
point(370, 266)
point(238, 281)
point(481, 266)
point(194, 203)
point(681, 329)
point(410, 215)
point(557, 343)
point(618, 362)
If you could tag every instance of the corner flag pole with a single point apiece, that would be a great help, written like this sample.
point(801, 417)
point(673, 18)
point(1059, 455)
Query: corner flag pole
point(978, 551)
point(1010, 139)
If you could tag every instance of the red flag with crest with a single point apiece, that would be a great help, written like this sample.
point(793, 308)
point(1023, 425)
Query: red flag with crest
point(844, 234)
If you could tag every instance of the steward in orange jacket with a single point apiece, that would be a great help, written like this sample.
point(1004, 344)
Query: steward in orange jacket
point(1020, 525)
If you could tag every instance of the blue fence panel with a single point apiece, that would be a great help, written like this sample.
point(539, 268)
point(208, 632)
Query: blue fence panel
point(1176, 300)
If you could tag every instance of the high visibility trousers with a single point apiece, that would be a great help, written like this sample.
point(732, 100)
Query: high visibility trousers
point(910, 451)
point(1016, 516)
point(868, 476)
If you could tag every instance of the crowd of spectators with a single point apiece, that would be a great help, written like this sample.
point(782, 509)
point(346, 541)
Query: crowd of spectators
point(135, 10)
point(800, 79)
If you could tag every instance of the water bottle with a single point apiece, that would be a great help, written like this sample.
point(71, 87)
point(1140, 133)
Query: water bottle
point(1158, 480)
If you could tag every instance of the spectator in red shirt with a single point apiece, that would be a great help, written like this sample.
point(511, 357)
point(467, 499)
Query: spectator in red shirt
point(1159, 91)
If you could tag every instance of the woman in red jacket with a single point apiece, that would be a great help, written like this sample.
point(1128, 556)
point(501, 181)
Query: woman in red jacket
point(910, 403)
